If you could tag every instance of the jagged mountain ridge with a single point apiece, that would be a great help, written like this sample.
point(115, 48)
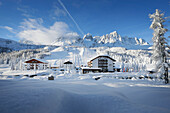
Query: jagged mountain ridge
point(109, 40)
point(112, 40)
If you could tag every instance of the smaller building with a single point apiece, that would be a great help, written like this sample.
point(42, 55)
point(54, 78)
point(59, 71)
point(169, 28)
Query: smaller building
point(68, 65)
point(117, 69)
point(88, 70)
point(53, 67)
point(35, 64)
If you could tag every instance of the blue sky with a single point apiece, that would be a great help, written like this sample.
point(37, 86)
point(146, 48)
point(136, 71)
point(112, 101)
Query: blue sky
point(44, 19)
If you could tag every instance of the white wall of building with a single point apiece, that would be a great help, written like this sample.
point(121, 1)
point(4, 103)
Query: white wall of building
point(95, 63)
point(40, 66)
point(68, 67)
point(109, 65)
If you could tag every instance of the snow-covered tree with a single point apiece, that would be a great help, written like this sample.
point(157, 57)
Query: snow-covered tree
point(159, 43)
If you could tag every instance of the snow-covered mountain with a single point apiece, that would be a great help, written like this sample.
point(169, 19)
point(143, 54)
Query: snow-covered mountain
point(67, 39)
point(114, 37)
point(24, 41)
point(109, 40)
point(7, 45)
point(113, 40)
point(63, 41)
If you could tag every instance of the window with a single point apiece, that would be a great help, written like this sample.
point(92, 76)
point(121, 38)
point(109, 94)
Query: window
point(103, 63)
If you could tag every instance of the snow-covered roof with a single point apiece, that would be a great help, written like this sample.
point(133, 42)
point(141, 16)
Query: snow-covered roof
point(150, 67)
point(107, 56)
point(68, 62)
point(37, 59)
point(117, 67)
point(54, 66)
point(90, 68)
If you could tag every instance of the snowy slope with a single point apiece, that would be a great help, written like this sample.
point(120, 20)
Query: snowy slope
point(11, 45)
point(77, 55)
point(67, 40)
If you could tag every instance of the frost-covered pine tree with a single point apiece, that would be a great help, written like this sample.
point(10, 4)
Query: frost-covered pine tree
point(159, 43)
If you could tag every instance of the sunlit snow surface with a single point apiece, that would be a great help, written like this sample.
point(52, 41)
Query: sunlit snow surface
point(77, 93)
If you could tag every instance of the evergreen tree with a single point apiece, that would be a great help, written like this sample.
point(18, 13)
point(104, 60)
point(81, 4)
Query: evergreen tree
point(159, 43)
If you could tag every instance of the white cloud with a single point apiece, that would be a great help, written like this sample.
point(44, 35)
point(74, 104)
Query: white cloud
point(33, 30)
point(0, 3)
point(10, 29)
point(32, 23)
point(59, 12)
point(26, 10)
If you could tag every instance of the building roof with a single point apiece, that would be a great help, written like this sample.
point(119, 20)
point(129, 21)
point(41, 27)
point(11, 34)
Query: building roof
point(39, 60)
point(117, 68)
point(68, 62)
point(150, 67)
point(90, 68)
point(106, 56)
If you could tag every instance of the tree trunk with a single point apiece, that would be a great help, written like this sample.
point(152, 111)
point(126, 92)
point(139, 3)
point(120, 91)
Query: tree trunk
point(166, 75)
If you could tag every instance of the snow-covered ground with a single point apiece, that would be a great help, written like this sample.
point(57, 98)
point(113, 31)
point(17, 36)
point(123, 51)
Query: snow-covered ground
point(81, 93)
point(83, 96)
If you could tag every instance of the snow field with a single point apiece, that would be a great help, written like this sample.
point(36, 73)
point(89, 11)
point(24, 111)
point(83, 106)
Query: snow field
point(81, 93)
point(81, 96)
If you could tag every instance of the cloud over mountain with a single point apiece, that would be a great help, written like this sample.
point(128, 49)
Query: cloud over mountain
point(33, 30)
